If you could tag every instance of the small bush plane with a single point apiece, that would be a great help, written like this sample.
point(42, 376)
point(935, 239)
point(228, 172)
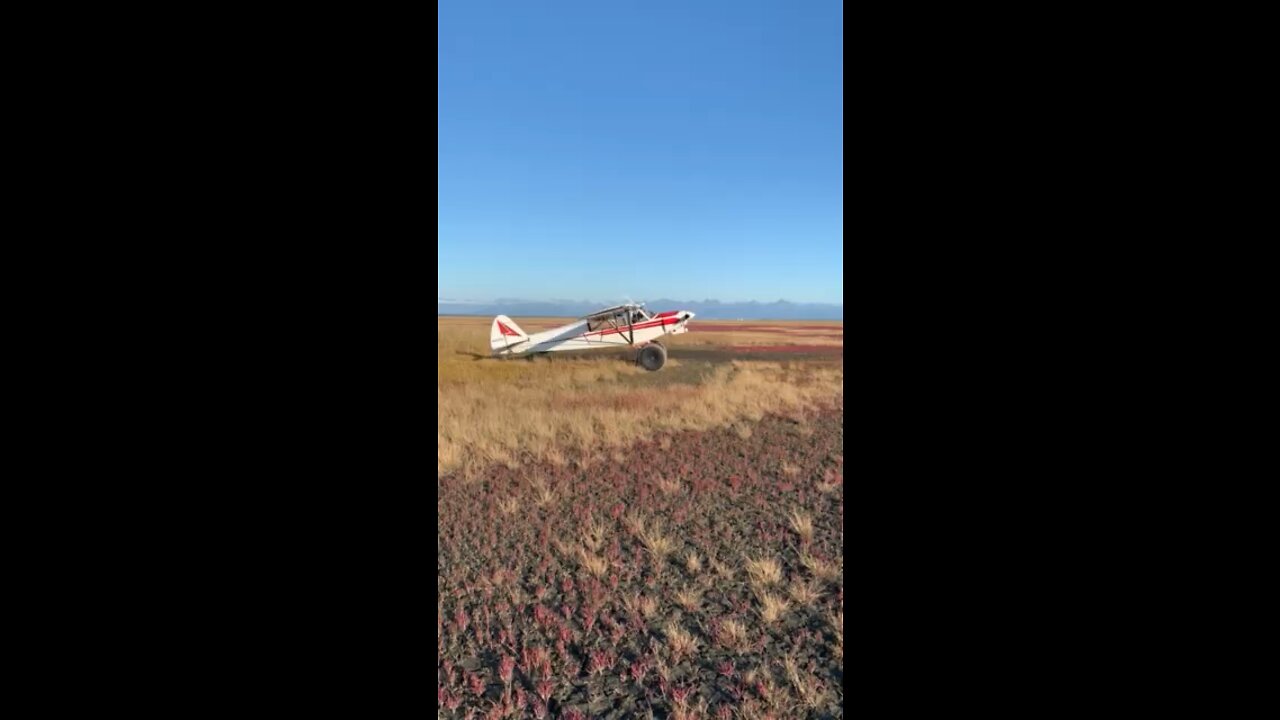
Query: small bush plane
point(622, 325)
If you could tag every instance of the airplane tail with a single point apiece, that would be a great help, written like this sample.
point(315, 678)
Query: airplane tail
point(506, 336)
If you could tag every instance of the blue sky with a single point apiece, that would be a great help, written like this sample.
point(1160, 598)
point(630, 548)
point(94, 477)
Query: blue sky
point(612, 149)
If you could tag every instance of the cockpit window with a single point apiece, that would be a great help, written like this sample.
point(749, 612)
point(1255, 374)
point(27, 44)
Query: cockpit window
point(617, 320)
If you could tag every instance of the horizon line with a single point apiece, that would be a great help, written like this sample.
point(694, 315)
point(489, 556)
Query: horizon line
point(452, 301)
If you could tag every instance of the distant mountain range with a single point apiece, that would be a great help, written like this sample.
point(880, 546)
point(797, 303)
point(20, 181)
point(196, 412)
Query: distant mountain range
point(706, 309)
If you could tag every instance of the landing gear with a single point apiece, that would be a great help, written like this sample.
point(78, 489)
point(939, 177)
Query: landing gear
point(652, 357)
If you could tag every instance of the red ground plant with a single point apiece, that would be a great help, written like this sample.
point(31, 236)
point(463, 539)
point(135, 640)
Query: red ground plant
point(529, 627)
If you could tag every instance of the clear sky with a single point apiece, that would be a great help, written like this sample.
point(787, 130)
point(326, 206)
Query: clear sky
point(615, 149)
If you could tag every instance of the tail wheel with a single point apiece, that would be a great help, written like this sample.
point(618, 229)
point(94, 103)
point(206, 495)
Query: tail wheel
point(653, 357)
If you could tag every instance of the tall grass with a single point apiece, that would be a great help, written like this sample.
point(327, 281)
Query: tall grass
point(505, 411)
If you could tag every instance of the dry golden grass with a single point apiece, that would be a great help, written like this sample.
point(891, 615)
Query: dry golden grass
point(732, 635)
point(772, 607)
point(642, 605)
point(804, 684)
point(802, 524)
point(764, 571)
point(693, 563)
point(593, 564)
point(805, 593)
point(566, 549)
point(508, 506)
point(821, 569)
point(723, 570)
point(500, 411)
point(656, 541)
point(634, 523)
point(790, 469)
point(690, 598)
point(594, 534)
point(670, 486)
point(648, 606)
point(542, 494)
point(679, 642)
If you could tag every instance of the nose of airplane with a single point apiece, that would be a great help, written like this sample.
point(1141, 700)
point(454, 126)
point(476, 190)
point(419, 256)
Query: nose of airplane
point(687, 316)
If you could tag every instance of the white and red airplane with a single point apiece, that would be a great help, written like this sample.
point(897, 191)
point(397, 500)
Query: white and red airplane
point(623, 325)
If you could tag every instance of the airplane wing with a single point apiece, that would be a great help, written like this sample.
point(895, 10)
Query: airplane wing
point(609, 311)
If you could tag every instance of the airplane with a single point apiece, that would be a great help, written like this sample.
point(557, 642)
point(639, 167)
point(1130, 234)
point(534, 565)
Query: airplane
point(618, 326)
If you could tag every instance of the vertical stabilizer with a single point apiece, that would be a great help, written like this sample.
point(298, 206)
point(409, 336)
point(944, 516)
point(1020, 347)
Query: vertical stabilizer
point(506, 336)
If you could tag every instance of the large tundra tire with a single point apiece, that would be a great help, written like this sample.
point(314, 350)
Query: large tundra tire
point(653, 357)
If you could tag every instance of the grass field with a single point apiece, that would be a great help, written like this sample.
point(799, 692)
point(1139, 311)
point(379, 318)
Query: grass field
point(616, 544)
point(556, 408)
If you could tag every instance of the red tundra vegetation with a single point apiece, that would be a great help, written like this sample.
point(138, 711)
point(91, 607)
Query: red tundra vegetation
point(696, 574)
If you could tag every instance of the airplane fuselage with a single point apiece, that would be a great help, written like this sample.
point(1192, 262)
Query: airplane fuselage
point(587, 335)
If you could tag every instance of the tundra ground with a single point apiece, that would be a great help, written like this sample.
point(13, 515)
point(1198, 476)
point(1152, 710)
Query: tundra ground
point(665, 545)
